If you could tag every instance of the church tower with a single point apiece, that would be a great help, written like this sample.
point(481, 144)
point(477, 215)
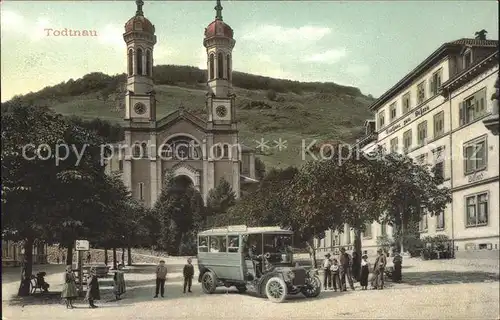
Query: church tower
point(223, 152)
point(219, 43)
point(140, 103)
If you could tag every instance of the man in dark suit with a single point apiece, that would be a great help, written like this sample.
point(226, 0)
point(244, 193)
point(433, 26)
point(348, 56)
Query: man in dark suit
point(345, 270)
point(256, 259)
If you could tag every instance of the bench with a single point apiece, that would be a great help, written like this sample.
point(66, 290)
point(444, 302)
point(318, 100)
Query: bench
point(35, 285)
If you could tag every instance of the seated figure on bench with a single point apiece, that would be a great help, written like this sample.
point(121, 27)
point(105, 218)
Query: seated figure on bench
point(40, 280)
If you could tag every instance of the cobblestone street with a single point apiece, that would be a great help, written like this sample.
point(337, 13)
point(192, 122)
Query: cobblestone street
point(431, 290)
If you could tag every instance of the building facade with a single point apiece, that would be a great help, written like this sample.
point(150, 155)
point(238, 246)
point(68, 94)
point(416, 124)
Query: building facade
point(13, 254)
point(435, 115)
point(204, 152)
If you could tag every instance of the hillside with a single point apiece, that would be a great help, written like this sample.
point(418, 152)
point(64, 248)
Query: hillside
point(266, 108)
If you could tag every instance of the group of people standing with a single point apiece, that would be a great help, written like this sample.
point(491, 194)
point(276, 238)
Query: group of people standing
point(70, 290)
point(347, 269)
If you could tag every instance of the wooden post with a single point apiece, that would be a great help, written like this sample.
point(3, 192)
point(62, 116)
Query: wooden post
point(80, 271)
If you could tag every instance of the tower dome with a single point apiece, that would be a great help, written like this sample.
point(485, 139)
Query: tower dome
point(139, 22)
point(218, 28)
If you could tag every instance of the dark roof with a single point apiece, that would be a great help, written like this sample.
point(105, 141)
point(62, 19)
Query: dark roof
point(475, 42)
point(463, 76)
point(441, 52)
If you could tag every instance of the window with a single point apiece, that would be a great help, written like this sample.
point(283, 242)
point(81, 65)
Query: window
point(233, 243)
point(421, 159)
point(144, 150)
point(220, 66)
point(218, 244)
point(381, 119)
point(139, 61)
point(148, 63)
point(438, 124)
point(120, 165)
point(473, 107)
point(435, 83)
point(407, 140)
point(211, 70)
point(130, 62)
point(394, 145)
point(475, 155)
point(228, 67)
point(383, 229)
point(141, 191)
point(423, 225)
point(347, 234)
point(422, 133)
point(393, 111)
point(202, 244)
point(136, 151)
point(438, 169)
point(440, 221)
point(477, 209)
point(467, 59)
point(406, 102)
point(368, 230)
point(421, 92)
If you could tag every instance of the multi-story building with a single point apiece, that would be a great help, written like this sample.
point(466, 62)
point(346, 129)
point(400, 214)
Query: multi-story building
point(435, 115)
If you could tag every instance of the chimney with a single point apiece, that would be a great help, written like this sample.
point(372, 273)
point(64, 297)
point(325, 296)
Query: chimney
point(481, 35)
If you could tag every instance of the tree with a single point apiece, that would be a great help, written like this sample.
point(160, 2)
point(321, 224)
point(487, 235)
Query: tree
point(271, 94)
point(219, 200)
point(260, 169)
point(410, 190)
point(45, 197)
point(178, 208)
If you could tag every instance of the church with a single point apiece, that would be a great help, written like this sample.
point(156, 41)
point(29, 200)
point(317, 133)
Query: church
point(201, 152)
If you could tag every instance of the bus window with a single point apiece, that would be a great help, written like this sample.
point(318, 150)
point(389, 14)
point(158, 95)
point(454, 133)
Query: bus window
point(203, 244)
point(233, 243)
point(218, 243)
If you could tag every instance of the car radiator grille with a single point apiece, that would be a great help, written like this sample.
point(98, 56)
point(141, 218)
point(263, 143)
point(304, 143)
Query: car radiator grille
point(300, 277)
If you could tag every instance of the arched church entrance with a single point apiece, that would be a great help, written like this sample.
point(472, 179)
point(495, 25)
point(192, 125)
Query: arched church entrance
point(183, 182)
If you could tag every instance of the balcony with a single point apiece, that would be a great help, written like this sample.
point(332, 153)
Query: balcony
point(492, 121)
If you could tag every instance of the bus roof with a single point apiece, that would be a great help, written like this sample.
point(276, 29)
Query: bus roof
point(242, 229)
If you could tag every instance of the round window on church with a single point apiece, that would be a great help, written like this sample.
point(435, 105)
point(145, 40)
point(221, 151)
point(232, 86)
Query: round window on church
point(221, 111)
point(139, 108)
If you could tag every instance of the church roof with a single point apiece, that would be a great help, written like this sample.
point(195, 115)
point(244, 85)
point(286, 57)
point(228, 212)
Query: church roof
point(183, 114)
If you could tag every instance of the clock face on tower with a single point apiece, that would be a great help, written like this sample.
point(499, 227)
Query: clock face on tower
point(139, 108)
point(221, 111)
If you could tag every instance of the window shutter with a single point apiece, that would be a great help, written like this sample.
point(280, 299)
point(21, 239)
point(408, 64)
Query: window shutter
point(431, 85)
point(462, 113)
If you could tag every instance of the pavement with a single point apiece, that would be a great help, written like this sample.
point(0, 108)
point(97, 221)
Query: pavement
point(430, 289)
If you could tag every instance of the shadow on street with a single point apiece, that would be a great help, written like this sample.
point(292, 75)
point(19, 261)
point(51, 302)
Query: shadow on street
point(447, 277)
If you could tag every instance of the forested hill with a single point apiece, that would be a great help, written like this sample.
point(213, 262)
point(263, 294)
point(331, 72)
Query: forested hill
point(267, 108)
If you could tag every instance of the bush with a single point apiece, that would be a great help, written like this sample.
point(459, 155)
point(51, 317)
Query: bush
point(271, 95)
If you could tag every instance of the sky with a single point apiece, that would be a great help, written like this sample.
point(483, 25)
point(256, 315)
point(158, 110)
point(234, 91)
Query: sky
point(367, 44)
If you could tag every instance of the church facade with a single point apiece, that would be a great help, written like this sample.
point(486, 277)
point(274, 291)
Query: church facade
point(181, 143)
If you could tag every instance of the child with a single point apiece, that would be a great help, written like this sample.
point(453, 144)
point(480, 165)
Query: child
point(188, 273)
point(335, 275)
point(119, 282)
point(365, 271)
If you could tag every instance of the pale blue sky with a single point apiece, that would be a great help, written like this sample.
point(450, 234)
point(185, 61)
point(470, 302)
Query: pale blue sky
point(370, 45)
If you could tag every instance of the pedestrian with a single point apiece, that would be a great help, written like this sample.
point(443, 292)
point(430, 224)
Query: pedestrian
point(345, 270)
point(119, 282)
point(327, 276)
point(58, 260)
point(397, 261)
point(378, 270)
point(356, 266)
point(63, 260)
point(365, 271)
point(88, 257)
point(335, 275)
point(188, 273)
point(93, 292)
point(161, 276)
point(69, 292)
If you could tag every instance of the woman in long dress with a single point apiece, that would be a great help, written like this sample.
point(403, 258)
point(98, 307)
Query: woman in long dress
point(69, 292)
point(93, 292)
point(119, 282)
point(365, 271)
